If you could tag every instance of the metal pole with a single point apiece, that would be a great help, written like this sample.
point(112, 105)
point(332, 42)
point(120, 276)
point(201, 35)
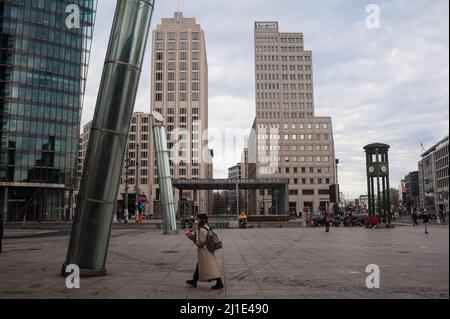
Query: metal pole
point(389, 199)
point(127, 181)
point(388, 182)
point(136, 215)
point(69, 214)
point(237, 199)
point(369, 195)
point(164, 177)
point(91, 230)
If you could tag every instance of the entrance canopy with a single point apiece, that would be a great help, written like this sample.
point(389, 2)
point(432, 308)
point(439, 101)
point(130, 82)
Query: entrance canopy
point(280, 188)
point(230, 184)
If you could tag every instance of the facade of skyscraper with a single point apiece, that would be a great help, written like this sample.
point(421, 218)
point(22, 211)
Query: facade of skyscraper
point(412, 191)
point(43, 66)
point(235, 172)
point(139, 179)
point(433, 177)
point(290, 142)
point(180, 94)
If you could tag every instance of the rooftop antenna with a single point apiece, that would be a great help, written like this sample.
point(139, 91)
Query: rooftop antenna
point(177, 14)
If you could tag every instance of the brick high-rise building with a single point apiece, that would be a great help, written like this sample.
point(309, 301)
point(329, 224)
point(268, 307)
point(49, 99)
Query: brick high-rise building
point(290, 142)
point(138, 166)
point(180, 94)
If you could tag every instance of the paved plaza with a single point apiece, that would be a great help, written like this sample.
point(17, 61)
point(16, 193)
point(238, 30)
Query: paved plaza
point(256, 263)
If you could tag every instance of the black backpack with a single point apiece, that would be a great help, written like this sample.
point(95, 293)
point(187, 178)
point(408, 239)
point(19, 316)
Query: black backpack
point(213, 241)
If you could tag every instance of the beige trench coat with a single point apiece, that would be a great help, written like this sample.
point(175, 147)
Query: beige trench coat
point(208, 268)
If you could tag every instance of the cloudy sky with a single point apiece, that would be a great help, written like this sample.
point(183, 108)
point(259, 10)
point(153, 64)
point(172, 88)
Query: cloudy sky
point(388, 85)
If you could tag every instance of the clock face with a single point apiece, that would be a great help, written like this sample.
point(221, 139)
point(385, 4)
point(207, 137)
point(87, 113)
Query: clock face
point(384, 169)
point(371, 169)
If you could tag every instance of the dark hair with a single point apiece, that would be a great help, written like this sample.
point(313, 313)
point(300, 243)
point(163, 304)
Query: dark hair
point(203, 219)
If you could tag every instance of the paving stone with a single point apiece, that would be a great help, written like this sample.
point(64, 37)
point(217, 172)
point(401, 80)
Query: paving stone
point(288, 263)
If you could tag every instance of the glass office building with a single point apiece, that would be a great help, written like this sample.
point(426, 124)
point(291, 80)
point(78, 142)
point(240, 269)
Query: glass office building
point(43, 67)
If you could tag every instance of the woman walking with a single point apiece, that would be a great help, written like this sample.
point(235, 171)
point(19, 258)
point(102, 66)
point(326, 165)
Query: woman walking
point(207, 267)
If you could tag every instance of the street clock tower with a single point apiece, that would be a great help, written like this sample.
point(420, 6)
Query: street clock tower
point(377, 161)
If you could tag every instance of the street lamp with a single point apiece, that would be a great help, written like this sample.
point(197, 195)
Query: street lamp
point(136, 215)
point(127, 181)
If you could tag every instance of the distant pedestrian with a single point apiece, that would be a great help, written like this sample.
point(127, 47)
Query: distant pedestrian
point(1, 232)
point(328, 220)
point(426, 220)
point(415, 218)
point(442, 215)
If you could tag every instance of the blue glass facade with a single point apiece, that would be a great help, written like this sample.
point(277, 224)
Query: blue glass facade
point(43, 69)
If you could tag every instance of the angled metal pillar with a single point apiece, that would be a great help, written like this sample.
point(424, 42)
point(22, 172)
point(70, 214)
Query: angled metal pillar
point(91, 229)
point(164, 178)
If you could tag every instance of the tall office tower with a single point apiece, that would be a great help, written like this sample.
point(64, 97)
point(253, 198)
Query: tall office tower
point(139, 180)
point(290, 142)
point(180, 94)
point(45, 47)
point(433, 177)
